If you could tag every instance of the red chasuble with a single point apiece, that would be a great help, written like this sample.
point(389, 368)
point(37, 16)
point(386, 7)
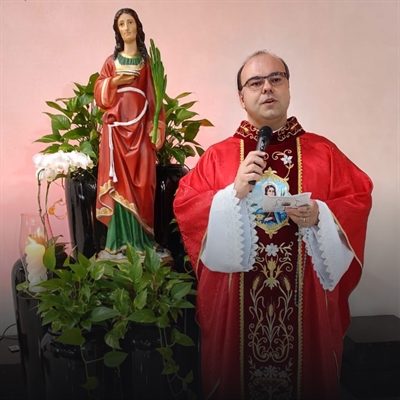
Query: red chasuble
point(274, 332)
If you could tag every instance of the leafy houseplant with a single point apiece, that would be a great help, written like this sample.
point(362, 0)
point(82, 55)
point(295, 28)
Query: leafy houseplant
point(80, 118)
point(89, 293)
point(181, 131)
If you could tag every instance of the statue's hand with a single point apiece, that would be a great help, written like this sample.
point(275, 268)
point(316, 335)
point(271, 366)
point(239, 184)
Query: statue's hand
point(124, 79)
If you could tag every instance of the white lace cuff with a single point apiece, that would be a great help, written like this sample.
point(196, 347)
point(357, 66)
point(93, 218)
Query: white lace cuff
point(328, 248)
point(231, 241)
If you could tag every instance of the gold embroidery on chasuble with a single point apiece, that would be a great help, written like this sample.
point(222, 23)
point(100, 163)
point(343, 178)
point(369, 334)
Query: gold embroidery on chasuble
point(270, 341)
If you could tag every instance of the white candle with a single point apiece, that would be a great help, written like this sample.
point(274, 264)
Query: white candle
point(35, 267)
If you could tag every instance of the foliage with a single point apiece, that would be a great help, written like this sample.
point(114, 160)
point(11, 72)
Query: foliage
point(78, 127)
point(160, 83)
point(89, 292)
point(181, 131)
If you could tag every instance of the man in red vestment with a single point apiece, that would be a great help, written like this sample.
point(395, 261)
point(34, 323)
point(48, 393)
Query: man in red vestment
point(272, 298)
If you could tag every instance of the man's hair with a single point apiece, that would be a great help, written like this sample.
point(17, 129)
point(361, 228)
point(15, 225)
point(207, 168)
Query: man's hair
point(239, 74)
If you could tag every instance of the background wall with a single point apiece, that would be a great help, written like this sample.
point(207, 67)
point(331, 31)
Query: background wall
point(344, 61)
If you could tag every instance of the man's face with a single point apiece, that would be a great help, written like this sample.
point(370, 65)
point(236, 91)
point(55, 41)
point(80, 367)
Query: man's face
point(127, 28)
point(268, 104)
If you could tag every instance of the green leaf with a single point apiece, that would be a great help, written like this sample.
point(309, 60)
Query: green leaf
point(151, 261)
point(49, 138)
point(54, 284)
point(66, 147)
point(23, 286)
point(189, 377)
point(73, 336)
point(102, 314)
point(86, 325)
point(91, 383)
point(92, 80)
point(182, 303)
point(140, 300)
point(49, 316)
point(60, 122)
point(183, 115)
point(55, 105)
point(83, 260)
point(181, 338)
point(181, 290)
point(143, 316)
point(112, 340)
point(85, 99)
point(170, 368)
point(49, 258)
point(121, 303)
point(113, 359)
point(97, 271)
point(191, 132)
point(184, 94)
point(166, 352)
point(64, 275)
point(77, 133)
point(132, 255)
point(79, 270)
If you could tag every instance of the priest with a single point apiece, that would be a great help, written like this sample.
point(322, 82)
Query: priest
point(272, 300)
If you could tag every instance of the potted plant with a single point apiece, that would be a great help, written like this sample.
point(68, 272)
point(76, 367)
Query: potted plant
point(182, 128)
point(98, 303)
point(75, 140)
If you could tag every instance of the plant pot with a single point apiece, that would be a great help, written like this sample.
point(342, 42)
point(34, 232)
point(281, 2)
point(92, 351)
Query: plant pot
point(87, 233)
point(65, 371)
point(30, 333)
point(141, 372)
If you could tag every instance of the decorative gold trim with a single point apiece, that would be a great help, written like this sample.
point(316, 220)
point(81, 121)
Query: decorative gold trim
point(241, 306)
point(108, 188)
point(241, 333)
point(292, 128)
point(300, 280)
point(241, 150)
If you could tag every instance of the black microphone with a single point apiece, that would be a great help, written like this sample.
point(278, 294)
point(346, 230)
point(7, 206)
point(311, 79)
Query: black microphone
point(264, 137)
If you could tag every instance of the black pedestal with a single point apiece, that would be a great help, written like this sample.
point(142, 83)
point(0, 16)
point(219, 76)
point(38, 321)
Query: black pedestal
point(371, 357)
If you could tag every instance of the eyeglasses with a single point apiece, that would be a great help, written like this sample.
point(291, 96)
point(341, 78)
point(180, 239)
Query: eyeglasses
point(257, 82)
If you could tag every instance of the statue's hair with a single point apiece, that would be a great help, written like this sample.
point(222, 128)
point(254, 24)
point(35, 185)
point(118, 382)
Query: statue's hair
point(119, 46)
point(257, 53)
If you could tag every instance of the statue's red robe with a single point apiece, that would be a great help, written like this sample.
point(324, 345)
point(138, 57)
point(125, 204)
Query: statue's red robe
point(129, 111)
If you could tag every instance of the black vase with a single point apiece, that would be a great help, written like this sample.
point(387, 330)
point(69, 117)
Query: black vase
point(88, 234)
point(65, 371)
point(168, 177)
point(30, 333)
point(30, 330)
point(141, 372)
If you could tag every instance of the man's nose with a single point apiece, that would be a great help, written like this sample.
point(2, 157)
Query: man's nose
point(267, 86)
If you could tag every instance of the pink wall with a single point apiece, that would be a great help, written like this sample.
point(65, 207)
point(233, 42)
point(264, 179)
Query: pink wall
point(344, 61)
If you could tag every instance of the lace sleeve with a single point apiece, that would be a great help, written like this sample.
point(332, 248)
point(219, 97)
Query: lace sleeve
point(328, 248)
point(231, 240)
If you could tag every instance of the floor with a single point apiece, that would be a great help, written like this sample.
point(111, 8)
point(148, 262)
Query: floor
point(12, 385)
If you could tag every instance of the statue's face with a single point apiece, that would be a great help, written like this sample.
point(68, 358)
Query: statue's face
point(127, 28)
point(271, 191)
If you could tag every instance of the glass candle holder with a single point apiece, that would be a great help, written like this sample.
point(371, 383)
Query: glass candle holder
point(34, 234)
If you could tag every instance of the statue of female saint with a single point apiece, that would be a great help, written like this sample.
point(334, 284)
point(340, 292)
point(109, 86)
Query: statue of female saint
point(127, 158)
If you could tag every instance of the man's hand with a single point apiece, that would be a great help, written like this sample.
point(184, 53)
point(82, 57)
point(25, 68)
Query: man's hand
point(304, 216)
point(250, 169)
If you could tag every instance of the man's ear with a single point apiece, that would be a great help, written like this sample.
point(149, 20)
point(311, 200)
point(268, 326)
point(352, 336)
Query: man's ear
point(240, 94)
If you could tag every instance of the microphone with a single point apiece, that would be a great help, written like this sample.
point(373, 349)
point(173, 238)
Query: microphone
point(264, 137)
